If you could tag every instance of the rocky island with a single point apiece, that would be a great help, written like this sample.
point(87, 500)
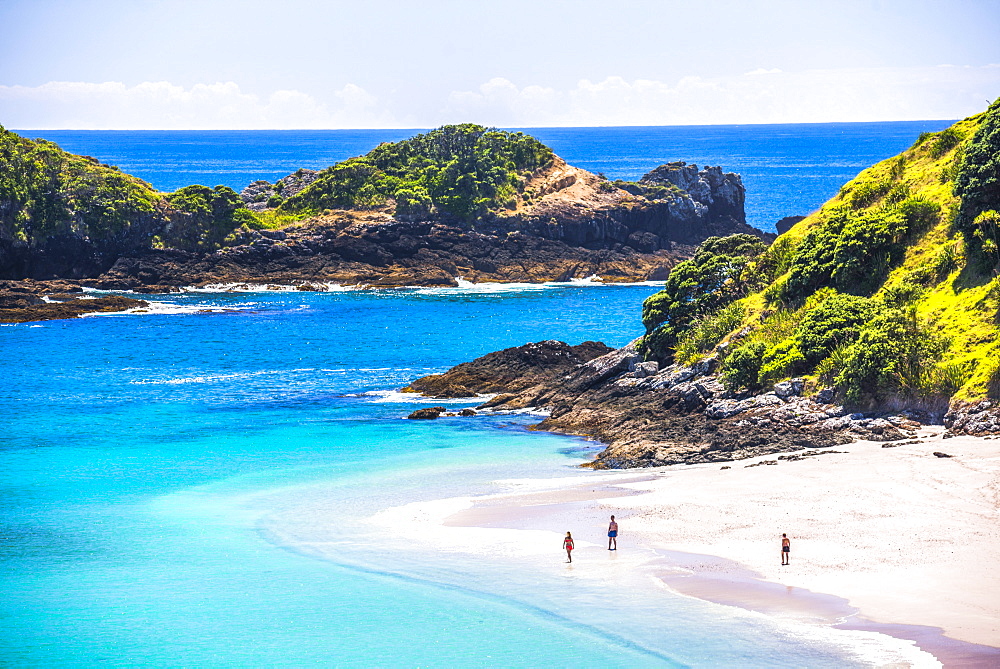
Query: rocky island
point(459, 202)
point(873, 315)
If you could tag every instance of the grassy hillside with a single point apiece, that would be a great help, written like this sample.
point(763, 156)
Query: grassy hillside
point(889, 292)
point(464, 171)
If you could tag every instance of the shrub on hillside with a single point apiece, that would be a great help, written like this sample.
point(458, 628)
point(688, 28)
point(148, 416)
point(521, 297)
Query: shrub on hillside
point(834, 322)
point(977, 182)
point(464, 171)
point(696, 288)
point(206, 217)
point(45, 192)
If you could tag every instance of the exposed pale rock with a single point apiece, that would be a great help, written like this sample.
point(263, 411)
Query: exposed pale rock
point(790, 388)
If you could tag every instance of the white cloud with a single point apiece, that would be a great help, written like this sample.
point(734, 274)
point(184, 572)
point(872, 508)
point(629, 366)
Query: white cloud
point(813, 96)
point(163, 105)
point(758, 96)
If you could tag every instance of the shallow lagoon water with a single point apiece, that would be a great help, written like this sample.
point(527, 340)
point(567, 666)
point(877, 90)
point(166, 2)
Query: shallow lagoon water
point(152, 467)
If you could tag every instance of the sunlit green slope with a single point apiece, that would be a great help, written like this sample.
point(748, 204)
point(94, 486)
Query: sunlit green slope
point(889, 292)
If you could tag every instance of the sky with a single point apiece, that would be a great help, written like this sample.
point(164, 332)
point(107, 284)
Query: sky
point(246, 64)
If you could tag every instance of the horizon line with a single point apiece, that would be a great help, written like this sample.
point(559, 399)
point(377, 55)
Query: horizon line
point(499, 127)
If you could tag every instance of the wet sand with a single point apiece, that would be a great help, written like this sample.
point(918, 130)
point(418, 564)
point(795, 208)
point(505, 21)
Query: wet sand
point(890, 540)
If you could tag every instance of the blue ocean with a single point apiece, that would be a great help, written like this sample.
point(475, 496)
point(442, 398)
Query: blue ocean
point(227, 478)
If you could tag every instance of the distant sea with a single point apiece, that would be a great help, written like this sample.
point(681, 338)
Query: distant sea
point(788, 169)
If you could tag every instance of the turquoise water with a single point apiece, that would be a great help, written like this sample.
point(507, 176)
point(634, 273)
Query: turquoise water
point(194, 487)
point(788, 169)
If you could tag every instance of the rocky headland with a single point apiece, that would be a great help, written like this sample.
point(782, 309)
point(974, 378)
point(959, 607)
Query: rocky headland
point(650, 416)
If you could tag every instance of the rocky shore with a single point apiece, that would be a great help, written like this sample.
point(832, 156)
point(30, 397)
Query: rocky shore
point(649, 416)
point(27, 301)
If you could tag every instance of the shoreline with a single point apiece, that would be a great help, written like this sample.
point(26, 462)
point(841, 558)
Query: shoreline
point(947, 606)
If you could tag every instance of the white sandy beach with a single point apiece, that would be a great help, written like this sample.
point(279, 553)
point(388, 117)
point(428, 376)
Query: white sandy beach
point(892, 536)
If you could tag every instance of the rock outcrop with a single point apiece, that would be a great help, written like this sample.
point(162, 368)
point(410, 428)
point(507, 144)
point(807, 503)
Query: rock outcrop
point(377, 251)
point(649, 416)
point(261, 194)
point(543, 220)
point(512, 370)
point(974, 418)
point(787, 223)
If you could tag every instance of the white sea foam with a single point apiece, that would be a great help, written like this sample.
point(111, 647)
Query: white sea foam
point(244, 287)
point(528, 411)
point(394, 396)
point(470, 287)
point(171, 308)
point(211, 378)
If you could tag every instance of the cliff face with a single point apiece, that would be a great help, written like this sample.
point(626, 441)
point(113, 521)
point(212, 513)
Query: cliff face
point(675, 204)
point(375, 250)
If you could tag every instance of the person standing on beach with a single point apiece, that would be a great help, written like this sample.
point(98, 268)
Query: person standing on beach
point(613, 534)
point(786, 548)
point(568, 545)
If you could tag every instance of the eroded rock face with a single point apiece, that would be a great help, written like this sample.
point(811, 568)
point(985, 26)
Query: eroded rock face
point(380, 252)
point(649, 416)
point(721, 193)
point(261, 195)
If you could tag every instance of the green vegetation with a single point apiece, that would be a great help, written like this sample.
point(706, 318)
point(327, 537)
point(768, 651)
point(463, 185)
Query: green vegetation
point(46, 192)
point(695, 290)
point(657, 191)
point(464, 171)
point(977, 184)
point(891, 289)
point(206, 216)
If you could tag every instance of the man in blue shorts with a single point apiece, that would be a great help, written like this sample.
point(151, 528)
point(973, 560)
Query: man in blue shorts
point(613, 534)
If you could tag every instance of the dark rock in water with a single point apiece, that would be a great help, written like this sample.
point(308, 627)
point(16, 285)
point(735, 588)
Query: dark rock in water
point(428, 413)
point(510, 370)
point(785, 224)
point(467, 412)
point(939, 454)
point(27, 301)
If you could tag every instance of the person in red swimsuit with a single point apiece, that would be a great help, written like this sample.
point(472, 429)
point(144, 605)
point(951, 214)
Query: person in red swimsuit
point(568, 545)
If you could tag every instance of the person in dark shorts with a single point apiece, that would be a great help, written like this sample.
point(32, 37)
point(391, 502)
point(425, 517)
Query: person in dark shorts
point(786, 548)
point(568, 545)
point(613, 534)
